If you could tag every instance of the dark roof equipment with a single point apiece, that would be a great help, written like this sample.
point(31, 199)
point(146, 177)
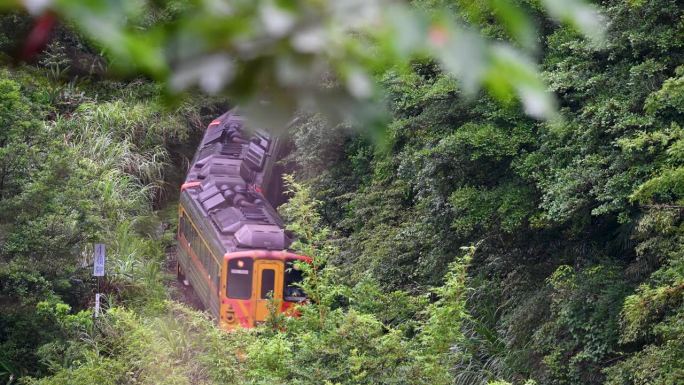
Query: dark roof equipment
point(224, 184)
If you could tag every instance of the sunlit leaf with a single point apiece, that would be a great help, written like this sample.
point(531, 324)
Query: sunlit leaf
point(516, 21)
point(513, 68)
point(36, 7)
point(585, 17)
point(359, 84)
point(211, 73)
point(276, 20)
point(409, 29)
point(309, 40)
point(461, 52)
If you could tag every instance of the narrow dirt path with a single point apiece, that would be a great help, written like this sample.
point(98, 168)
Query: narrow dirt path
point(177, 290)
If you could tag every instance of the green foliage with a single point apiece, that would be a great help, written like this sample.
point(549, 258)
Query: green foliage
point(666, 187)
point(158, 349)
point(59, 312)
point(341, 337)
point(670, 97)
point(397, 309)
point(506, 206)
point(73, 172)
point(651, 317)
point(441, 336)
point(584, 328)
point(270, 360)
point(18, 137)
point(578, 219)
point(312, 241)
point(442, 329)
point(21, 288)
point(528, 382)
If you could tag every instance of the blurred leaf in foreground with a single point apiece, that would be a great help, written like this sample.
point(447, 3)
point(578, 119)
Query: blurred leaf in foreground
point(276, 57)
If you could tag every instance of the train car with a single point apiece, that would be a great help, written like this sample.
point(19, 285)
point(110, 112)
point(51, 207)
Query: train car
point(232, 245)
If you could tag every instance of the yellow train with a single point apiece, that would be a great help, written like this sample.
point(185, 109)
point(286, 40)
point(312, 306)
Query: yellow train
point(232, 246)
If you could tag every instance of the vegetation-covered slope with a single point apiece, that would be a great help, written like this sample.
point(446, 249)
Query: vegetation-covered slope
point(577, 275)
point(81, 161)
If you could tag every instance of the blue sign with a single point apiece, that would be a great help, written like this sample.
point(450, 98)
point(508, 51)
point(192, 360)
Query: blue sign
point(99, 260)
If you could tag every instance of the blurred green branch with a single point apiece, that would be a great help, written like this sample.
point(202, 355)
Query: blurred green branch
point(282, 56)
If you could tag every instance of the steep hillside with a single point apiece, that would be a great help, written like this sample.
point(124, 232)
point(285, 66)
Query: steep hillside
point(577, 275)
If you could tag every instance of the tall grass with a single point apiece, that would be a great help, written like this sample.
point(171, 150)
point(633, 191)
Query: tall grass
point(124, 171)
point(176, 346)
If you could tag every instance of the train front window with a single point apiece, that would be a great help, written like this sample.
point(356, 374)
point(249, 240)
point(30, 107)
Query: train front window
point(239, 278)
point(293, 278)
point(267, 283)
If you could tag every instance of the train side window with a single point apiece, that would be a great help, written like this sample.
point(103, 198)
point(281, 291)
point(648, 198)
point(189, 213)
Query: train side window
point(293, 277)
point(215, 272)
point(267, 283)
point(193, 238)
point(240, 278)
point(186, 228)
point(212, 267)
point(202, 253)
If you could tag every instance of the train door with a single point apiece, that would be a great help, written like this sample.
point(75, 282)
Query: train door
point(268, 284)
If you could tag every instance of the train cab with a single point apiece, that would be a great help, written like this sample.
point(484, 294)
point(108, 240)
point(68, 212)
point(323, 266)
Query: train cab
point(254, 278)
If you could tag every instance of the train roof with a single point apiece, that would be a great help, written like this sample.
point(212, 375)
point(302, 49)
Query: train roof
point(224, 184)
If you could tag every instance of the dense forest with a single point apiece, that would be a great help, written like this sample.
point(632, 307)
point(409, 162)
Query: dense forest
point(463, 242)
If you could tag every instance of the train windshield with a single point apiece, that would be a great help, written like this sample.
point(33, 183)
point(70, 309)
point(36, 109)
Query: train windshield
point(293, 278)
point(240, 278)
